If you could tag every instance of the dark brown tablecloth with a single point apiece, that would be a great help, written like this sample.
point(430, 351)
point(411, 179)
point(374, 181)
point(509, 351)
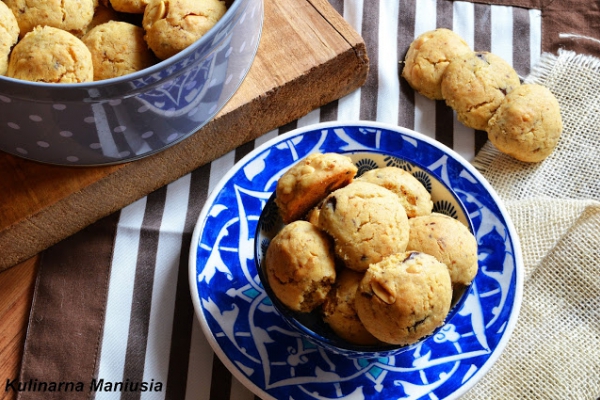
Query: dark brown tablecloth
point(570, 25)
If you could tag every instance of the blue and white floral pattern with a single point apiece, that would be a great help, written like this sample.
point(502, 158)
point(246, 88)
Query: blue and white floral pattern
point(273, 360)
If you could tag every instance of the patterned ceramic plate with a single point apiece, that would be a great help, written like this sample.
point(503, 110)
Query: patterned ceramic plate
point(272, 360)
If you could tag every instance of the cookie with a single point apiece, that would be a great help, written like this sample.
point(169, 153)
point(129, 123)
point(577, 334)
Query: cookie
point(173, 25)
point(404, 297)
point(309, 181)
point(104, 13)
point(129, 6)
point(367, 223)
point(69, 58)
point(412, 194)
point(117, 48)
point(528, 124)
point(300, 266)
point(9, 35)
point(474, 85)
point(70, 15)
point(339, 311)
point(449, 241)
point(427, 58)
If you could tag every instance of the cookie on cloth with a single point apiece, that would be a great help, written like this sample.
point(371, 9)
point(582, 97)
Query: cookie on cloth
point(339, 311)
point(173, 25)
point(474, 84)
point(427, 58)
point(528, 124)
point(404, 297)
point(449, 241)
point(70, 15)
point(309, 181)
point(118, 48)
point(9, 35)
point(412, 194)
point(300, 266)
point(367, 223)
point(51, 55)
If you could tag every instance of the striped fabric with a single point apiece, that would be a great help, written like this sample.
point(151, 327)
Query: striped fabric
point(150, 333)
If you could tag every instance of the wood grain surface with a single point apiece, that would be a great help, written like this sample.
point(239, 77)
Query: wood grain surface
point(308, 56)
point(16, 293)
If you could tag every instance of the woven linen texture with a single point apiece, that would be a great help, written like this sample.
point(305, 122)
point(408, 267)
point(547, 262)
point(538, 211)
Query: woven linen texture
point(554, 352)
point(571, 171)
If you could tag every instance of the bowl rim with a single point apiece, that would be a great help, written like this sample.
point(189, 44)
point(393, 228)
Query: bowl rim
point(337, 343)
point(197, 232)
point(153, 69)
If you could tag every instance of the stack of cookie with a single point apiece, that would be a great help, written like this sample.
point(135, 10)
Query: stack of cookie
point(522, 121)
point(74, 41)
point(367, 251)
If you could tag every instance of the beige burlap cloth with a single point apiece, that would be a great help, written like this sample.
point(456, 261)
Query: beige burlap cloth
point(554, 352)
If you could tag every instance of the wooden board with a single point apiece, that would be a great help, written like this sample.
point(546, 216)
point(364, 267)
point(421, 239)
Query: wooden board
point(308, 56)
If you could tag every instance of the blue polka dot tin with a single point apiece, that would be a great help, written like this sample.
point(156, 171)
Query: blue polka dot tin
point(136, 115)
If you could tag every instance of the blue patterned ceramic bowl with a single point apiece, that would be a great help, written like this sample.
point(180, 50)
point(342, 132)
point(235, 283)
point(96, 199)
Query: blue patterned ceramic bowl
point(311, 325)
point(132, 116)
point(255, 340)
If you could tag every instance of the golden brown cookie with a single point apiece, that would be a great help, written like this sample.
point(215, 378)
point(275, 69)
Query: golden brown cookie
point(70, 15)
point(300, 266)
point(339, 311)
point(9, 35)
point(104, 13)
point(129, 6)
point(404, 298)
point(173, 25)
point(367, 223)
point(474, 85)
point(412, 194)
point(51, 55)
point(118, 48)
point(528, 124)
point(449, 241)
point(427, 58)
point(309, 181)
